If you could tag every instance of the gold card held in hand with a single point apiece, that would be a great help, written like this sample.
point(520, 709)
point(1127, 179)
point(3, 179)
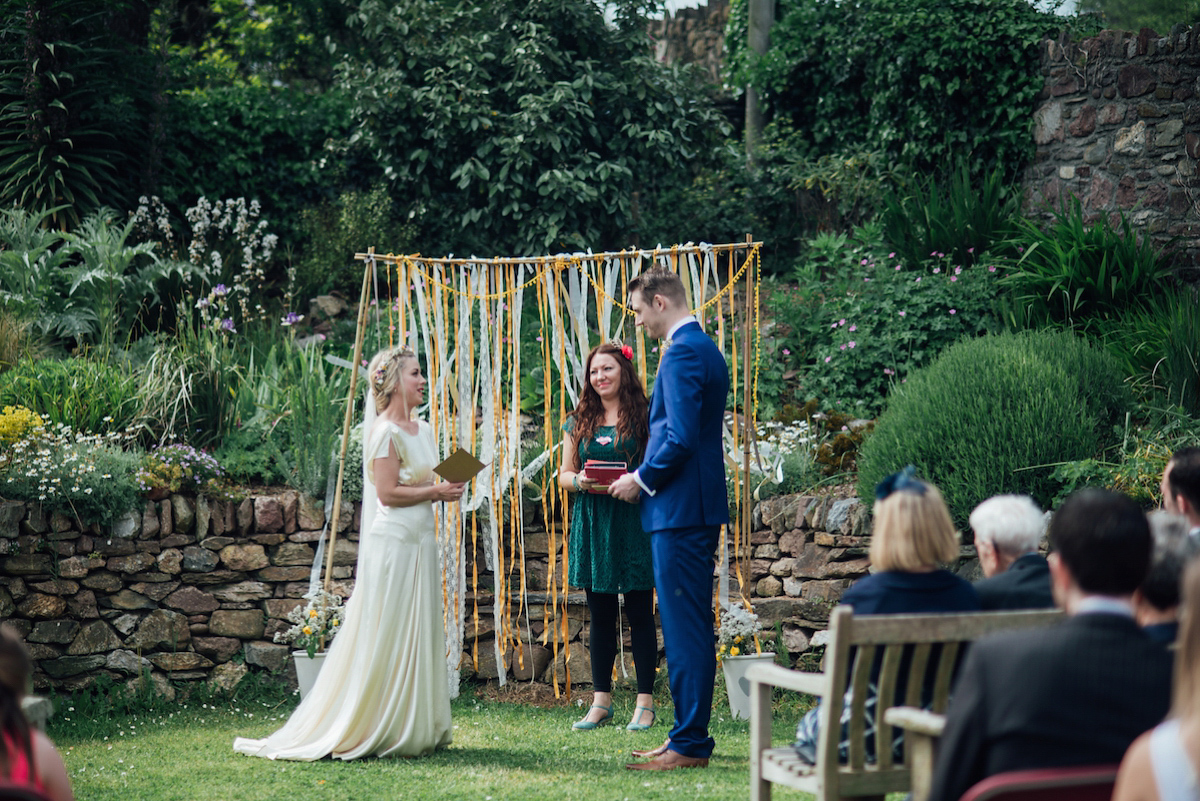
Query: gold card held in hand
point(459, 467)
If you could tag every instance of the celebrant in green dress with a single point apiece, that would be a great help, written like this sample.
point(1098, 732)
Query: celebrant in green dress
point(608, 552)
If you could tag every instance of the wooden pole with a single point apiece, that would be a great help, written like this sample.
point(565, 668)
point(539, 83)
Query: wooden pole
point(747, 400)
point(349, 417)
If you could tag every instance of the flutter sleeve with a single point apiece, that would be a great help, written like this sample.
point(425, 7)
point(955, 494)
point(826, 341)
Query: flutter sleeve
point(383, 435)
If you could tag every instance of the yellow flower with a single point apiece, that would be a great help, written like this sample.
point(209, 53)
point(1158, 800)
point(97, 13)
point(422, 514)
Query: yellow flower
point(737, 638)
point(307, 630)
point(723, 647)
point(734, 651)
point(336, 623)
point(312, 612)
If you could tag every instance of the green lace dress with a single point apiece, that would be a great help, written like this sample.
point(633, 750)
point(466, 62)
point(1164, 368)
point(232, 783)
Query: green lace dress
point(608, 550)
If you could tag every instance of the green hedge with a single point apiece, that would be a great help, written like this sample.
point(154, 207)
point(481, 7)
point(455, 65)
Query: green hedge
point(995, 414)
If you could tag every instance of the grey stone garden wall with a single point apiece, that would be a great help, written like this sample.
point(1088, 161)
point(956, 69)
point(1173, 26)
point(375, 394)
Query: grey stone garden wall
point(195, 590)
point(1118, 127)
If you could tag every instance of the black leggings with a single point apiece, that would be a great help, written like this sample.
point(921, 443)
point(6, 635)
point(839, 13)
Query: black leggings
point(639, 611)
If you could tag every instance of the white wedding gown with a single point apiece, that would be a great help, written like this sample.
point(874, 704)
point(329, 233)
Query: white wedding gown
point(382, 690)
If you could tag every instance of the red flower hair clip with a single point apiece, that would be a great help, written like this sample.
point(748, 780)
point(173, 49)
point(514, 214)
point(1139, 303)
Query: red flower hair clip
point(627, 352)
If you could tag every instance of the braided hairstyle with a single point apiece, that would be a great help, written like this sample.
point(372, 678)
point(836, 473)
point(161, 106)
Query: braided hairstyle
point(15, 669)
point(383, 373)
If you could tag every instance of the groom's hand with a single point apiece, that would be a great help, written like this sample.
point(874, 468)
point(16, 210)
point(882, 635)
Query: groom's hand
point(625, 488)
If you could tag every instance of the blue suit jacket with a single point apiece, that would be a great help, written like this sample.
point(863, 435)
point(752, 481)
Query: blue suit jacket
point(684, 464)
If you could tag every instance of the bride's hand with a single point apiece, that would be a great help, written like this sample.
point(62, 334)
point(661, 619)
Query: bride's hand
point(448, 491)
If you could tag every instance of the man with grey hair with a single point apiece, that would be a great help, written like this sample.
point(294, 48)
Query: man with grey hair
point(1156, 601)
point(1008, 530)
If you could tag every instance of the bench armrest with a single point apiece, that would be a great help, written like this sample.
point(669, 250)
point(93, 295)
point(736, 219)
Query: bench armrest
point(918, 721)
point(795, 680)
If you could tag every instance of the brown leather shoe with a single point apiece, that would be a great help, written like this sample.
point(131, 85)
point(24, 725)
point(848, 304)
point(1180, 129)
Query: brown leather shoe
point(669, 760)
point(652, 752)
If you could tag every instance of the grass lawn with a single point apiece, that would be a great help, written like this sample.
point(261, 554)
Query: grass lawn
point(503, 749)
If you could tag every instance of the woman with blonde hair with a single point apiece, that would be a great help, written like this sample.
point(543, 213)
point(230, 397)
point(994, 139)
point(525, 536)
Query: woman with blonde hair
point(1163, 764)
point(384, 687)
point(28, 759)
point(913, 535)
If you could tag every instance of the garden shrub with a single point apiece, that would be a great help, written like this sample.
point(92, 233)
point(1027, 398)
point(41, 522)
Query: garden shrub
point(995, 415)
point(1078, 275)
point(1159, 347)
point(853, 335)
point(89, 396)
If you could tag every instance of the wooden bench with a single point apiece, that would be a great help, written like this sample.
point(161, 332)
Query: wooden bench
point(869, 635)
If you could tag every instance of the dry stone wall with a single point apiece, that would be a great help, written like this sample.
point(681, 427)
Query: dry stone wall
point(195, 590)
point(1118, 126)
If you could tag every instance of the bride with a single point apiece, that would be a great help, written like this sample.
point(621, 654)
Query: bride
point(383, 689)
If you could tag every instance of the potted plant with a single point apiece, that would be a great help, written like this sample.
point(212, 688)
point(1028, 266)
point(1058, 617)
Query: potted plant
point(313, 626)
point(737, 649)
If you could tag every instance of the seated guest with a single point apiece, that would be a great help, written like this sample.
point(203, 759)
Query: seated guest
point(1181, 487)
point(1008, 530)
point(912, 536)
point(27, 757)
point(1077, 693)
point(1163, 764)
point(1156, 602)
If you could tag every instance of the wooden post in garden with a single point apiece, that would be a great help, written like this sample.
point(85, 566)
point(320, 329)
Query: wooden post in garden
point(747, 401)
point(348, 419)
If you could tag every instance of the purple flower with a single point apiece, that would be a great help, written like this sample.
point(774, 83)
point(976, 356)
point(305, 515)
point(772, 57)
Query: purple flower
point(954, 311)
point(220, 290)
point(897, 268)
point(903, 313)
point(852, 343)
point(937, 270)
point(918, 279)
point(865, 280)
point(888, 371)
point(842, 321)
point(970, 250)
point(892, 255)
point(227, 325)
point(958, 270)
point(863, 262)
point(843, 347)
point(787, 352)
point(292, 318)
point(827, 359)
point(953, 278)
point(854, 328)
point(992, 269)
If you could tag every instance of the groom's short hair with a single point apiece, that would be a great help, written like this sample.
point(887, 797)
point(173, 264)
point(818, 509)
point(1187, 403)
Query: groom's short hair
point(659, 282)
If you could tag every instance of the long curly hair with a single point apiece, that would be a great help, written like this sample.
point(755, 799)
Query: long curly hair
point(633, 415)
point(15, 667)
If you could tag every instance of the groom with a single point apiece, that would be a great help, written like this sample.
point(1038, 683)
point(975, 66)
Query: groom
point(681, 482)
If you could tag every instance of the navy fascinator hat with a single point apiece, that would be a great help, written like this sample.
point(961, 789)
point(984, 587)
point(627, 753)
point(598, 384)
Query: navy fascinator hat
point(901, 481)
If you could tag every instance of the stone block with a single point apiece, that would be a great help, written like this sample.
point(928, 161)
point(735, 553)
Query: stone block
point(528, 663)
point(11, 513)
point(791, 543)
point(35, 521)
point(281, 607)
point(199, 560)
point(292, 553)
point(268, 514)
point(827, 590)
point(795, 639)
point(276, 574)
point(150, 526)
point(213, 577)
point(27, 564)
point(217, 543)
point(783, 567)
point(183, 514)
point(158, 684)
point(180, 660)
point(55, 587)
point(1135, 80)
point(60, 522)
point(244, 557)
point(192, 601)
point(226, 677)
point(134, 563)
point(111, 546)
point(310, 513)
point(243, 591)
point(268, 655)
point(203, 517)
point(96, 637)
point(127, 600)
point(580, 664)
point(839, 518)
point(40, 606)
point(127, 526)
point(170, 561)
point(768, 551)
point(56, 631)
point(103, 581)
point(243, 624)
point(1085, 121)
point(768, 587)
point(218, 649)
point(72, 665)
point(126, 662)
point(245, 516)
point(1131, 141)
point(75, 567)
point(7, 605)
point(289, 503)
point(82, 606)
point(125, 624)
point(161, 629)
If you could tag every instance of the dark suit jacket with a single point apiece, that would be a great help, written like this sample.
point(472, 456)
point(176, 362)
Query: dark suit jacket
point(1073, 694)
point(1025, 585)
point(683, 464)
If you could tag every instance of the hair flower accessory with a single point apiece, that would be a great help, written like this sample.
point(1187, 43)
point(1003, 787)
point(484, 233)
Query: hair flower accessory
point(627, 352)
point(901, 481)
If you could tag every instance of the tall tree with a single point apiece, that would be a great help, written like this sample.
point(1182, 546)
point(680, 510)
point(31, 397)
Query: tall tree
point(522, 126)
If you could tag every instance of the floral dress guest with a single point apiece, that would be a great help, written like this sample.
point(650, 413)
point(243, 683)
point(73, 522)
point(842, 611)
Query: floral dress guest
point(608, 551)
point(384, 688)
